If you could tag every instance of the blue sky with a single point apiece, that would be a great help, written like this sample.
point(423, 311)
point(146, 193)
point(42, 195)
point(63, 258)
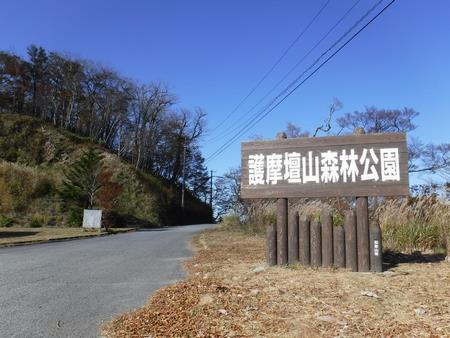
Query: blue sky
point(211, 53)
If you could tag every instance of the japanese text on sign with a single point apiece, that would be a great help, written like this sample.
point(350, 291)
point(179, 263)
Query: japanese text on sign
point(328, 166)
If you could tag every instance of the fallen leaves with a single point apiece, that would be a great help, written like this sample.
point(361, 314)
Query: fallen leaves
point(369, 293)
point(225, 297)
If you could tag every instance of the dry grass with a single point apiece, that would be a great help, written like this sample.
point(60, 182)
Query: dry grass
point(225, 297)
point(25, 235)
point(415, 224)
point(20, 185)
point(409, 224)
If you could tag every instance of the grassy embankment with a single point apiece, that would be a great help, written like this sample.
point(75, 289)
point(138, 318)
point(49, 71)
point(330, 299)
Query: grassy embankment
point(33, 158)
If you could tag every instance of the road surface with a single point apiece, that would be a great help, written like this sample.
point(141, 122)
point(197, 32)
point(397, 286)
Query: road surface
point(68, 289)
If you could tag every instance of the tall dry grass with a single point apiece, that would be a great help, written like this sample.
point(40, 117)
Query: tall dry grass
point(20, 184)
point(413, 224)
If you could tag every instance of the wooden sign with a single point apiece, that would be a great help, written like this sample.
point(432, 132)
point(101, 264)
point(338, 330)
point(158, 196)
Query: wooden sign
point(354, 165)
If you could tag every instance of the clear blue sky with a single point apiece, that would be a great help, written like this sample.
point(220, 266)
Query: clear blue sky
point(211, 53)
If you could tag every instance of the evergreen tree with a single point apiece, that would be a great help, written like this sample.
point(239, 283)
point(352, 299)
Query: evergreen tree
point(81, 184)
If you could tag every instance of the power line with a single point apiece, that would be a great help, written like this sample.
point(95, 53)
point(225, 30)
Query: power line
point(255, 119)
point(255, 115)
point(262, 114)
point(233, 128)
point(274, 65)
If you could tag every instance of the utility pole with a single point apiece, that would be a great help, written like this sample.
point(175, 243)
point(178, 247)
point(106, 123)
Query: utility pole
point(184, 175)
point(211, 190)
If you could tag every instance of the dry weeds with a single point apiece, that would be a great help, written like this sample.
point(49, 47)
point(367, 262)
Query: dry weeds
point(409, 224)
point(26, 235)
point(225, 296)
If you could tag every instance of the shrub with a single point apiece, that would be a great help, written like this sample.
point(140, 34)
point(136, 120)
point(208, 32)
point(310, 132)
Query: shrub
point(134, 203)
point(38, 220)
point(260, 214)
point(138, 202)
point(20, 185)
point(44, 186)
point(21, 140)
point(5, 221)
point(338, 219)
point(107, 197)
point(6, 199)
point(231, 221)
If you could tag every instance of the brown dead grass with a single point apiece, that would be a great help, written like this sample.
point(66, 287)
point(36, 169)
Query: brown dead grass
point(225, 297)
point(28, 235)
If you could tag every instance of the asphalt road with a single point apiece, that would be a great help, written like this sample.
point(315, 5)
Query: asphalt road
point(68, 289)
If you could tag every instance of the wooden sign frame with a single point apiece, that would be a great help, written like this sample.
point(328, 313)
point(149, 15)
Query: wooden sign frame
point(381, 158)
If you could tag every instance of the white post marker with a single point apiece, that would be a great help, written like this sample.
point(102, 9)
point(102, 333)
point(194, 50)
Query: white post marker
point(92, 219)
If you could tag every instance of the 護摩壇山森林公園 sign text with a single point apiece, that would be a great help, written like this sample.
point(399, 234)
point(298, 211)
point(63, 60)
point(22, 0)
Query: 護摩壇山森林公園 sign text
point(354, 165)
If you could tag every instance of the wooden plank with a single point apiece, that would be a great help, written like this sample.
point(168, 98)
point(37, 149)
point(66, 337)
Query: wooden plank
point(327, 239)
point(282, 227)
point(338, 247)
point(267, 188)
point(338, 191)
point(293, 238)
point(362, 231)
point(271, 244)
point(376, 249)
point(316, 244)
point(304, 240)
point(351, 261)
point(308, 142)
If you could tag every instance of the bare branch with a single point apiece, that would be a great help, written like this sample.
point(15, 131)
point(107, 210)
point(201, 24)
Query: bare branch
point(326, 126)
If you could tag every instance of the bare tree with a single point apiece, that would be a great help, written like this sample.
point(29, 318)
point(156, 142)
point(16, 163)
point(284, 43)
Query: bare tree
point(375, 120)
point(227, 189)
point(423, 158)
point(136, 121)
point(293, 131)
point(149, 105)
point(326, 126)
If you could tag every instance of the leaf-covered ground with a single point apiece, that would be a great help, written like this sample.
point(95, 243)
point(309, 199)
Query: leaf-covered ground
point(230, 293)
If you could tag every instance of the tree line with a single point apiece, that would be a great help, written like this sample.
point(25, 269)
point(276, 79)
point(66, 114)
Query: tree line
point(431, 162)
point(139, 122)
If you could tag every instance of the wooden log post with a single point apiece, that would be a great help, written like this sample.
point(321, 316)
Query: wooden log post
point(282, 231)
point(362, 232)
point(351, 261)
point(293, 238)
point(316, 244)
point(282, 224)
point(327, 239)
point(362, 222)
point(338, 247)
point(271, 244)
point(304, 240)
point(376, 249)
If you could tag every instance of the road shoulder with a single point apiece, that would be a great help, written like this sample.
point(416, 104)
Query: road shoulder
point(230, 292)
point(18, 236)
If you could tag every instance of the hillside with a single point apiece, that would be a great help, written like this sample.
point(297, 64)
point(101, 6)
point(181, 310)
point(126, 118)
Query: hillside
point(34, 158)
